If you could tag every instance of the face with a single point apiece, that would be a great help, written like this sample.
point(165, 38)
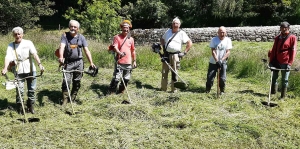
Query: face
point(125, 29)
point(284, 30)
point(18, 37)
point(221, 32)
point(73, 28)
point(175, 25)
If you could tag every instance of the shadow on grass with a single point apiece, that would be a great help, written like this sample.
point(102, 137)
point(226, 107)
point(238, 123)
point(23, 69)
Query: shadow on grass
point(252, 92)
point(170, 99)
point(103, 89)
point(4, 104)
point(139, 84)
point(53, 96)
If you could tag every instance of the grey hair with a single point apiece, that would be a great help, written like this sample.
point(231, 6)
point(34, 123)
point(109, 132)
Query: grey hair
point(74, 21)
point(17, 30)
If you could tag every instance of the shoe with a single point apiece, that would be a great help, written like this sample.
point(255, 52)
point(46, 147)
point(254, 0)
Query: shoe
point(175, 91)
point(30, 107)
point(222, 93)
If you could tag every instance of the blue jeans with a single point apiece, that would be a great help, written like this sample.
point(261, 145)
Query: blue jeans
point(211, 74)
point(284, 76)
point(31, 86)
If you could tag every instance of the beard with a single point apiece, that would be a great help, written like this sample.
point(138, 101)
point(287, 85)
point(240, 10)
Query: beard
point(72, 32)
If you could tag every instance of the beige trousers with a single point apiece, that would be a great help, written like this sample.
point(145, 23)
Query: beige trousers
point(174, 63)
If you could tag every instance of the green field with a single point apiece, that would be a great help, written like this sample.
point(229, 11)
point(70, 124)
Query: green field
point(189, 118)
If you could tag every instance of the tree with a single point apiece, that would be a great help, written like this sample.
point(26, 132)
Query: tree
point(98, 18)
point(24, 14)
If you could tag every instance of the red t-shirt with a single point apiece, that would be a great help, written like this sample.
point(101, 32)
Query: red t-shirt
point(285, 53)
point(128, 48)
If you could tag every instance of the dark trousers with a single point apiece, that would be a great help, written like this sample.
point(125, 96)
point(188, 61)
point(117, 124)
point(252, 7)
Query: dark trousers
point(211, 74)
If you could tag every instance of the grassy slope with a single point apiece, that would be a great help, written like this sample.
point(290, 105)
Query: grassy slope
point(155, 119)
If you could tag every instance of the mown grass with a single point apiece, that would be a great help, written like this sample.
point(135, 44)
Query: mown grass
point(189, 118)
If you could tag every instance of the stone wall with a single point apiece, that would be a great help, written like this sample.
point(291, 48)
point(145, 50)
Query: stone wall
point(254, 34)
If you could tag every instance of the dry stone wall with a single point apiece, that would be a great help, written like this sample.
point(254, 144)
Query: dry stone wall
point(253, 34)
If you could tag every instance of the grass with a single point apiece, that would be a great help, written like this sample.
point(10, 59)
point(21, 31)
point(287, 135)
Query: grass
point(189, 118)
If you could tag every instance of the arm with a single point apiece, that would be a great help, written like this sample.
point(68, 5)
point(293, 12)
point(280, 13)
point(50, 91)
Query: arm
point(37, 59)
point(214, 54)
point(6, 63)
point(188, 46)
point(61, 53)
point(293, 52)
point(226, 55)
point(89, 56)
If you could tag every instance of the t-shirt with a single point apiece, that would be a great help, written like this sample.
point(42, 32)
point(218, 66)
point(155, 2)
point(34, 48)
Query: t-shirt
point(74, 45)
point(22, 50)
point(176, 43)
point(221, 46)
point(128, 48)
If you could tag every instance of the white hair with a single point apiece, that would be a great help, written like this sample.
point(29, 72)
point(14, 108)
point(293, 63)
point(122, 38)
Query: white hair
point(17, 30)
point(176, 19)
point(74, 21)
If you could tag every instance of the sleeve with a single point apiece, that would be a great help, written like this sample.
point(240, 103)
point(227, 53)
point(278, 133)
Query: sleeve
point(115, 42)
point(229, 44)
point(84, 41)
point(9, 55)
point(185, 37)
point(293, 51)
point(272, 53)
point(63, 39)
point(212, 44)
point(32, 48)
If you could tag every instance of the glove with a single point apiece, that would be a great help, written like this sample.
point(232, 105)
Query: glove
point(181, 55)
point(288, 67)
point(219, 63)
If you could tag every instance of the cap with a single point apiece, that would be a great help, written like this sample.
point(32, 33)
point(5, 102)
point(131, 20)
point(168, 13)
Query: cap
point(126, 23)
point(284, 24)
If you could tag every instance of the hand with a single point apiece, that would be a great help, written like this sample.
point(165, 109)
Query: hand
point(122, 54)
point(288, 67)
point(4, 71)
point(134, 65)
point(219, 64)
point(61, 60)
point(181, 55)
point(41, 67)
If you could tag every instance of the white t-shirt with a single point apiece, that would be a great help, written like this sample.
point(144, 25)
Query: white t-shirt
point(22, 51)
point(175, 44)
point(221, 46)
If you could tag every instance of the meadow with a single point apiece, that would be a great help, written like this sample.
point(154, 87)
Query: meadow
point(189, 118)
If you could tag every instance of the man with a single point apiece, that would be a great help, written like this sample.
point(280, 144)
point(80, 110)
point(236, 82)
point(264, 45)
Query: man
point(123, 46)
point(70, 56)
point(20, 52)
point(282, 56)
point(220, 50)
point(172, 41)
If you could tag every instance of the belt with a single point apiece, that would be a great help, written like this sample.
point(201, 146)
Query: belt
point(174, 52)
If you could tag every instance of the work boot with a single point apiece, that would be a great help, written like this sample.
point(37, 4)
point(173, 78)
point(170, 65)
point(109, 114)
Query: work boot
point(274, 88)
point(65, 98)
point(283, 92)
point(222, 90)
point(30, 107)
point(74, 95)
point(112, 87)
point(121, 89)
point(19, 108)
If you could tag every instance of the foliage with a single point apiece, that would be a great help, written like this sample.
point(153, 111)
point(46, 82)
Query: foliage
point(147, 13)
point(24, 14)
point(99, 18)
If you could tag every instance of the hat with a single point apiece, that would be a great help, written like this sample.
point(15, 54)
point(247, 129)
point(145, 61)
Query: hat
point(284, 24)
point(126, 23)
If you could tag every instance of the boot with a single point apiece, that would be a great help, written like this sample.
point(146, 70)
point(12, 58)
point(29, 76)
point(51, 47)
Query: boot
point(207, 90)
point(222, 90)
point(74, 95)
point(30, 107)
point(65, 98)
point(19, 108)
point(274, 88)
point(283, 92)
point(121, 89)
point(112, 87)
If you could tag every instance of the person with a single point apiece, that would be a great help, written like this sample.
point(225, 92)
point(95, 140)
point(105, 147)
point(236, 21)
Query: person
point(171, 42)
point(20, 52)
point(220, 50)
point(282, 56)
point(70, 57)
point(125, 58)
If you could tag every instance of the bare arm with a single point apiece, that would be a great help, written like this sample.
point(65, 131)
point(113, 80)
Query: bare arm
point(37, 59)
point(188, 46)
point(6, 63)
point(61, 53)
point(89, 56)
point(226, 55)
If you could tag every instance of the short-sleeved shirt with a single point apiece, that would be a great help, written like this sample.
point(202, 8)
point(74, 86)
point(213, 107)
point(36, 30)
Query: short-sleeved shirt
point(221, 46)
point(128, 48)
point(78, 41)
point(176, 43)
point(21, 55)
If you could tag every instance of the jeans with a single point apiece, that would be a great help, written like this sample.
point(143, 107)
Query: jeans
point(211, 74)
point(31, 86)
point(284, 75)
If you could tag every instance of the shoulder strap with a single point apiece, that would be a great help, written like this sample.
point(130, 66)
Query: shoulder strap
point(16, 56)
